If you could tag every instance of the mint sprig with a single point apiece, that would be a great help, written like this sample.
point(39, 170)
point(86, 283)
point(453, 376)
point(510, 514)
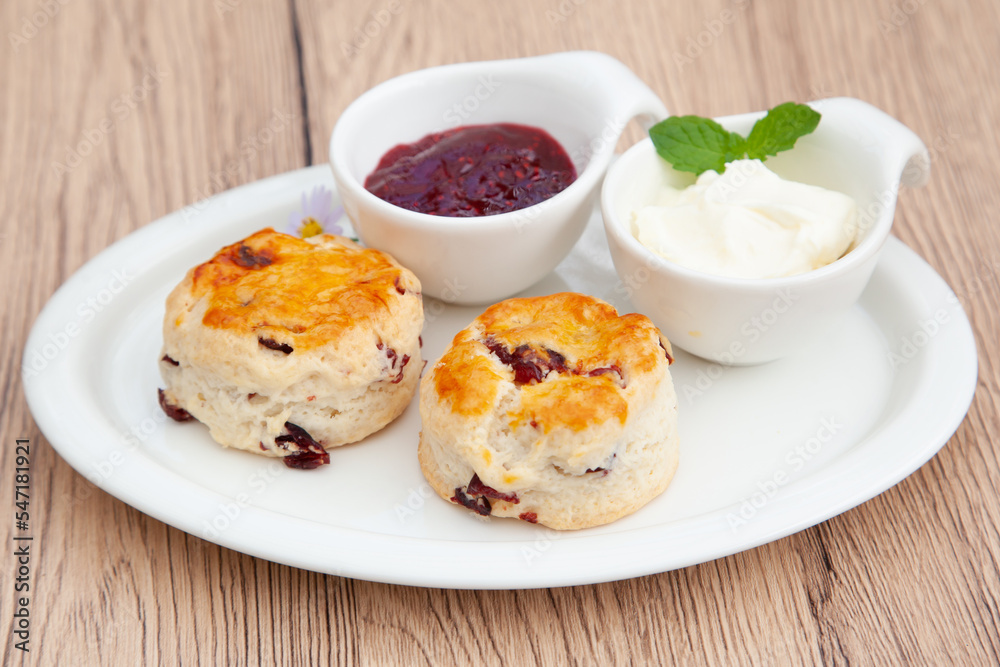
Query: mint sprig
point(696, 144)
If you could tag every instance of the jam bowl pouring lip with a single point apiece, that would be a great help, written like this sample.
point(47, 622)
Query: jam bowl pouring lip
point(857, 149)
point(584, 99)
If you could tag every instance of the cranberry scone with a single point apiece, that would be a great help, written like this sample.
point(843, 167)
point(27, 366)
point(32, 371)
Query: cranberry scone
point(287, 347)
point(554, 410)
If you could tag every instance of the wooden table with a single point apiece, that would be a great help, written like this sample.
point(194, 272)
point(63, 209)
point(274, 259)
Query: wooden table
point(170, 96)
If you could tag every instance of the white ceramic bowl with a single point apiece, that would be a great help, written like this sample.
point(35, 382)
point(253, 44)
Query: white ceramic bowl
point(857, 149)
point(583, 99)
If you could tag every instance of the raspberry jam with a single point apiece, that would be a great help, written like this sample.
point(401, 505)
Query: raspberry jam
point(473, 170)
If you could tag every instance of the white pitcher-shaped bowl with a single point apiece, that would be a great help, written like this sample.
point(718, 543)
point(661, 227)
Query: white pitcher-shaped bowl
point(583, 99)
point(857, 149)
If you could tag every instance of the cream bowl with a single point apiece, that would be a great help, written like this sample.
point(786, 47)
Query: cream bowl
point(583, 99)
point(857, 149)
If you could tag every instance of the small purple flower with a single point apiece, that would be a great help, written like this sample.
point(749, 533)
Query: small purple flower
point(317, 215)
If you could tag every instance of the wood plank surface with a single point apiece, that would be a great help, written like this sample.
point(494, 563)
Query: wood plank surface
point(114, 113)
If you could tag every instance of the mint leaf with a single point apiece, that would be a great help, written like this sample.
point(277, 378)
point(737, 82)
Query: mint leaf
point(696, 144)
point(779, 129)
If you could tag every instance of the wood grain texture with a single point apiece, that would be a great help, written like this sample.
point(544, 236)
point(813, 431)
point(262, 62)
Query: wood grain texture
point(910, 576)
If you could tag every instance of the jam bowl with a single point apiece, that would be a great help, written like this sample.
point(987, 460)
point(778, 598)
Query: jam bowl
point(857, 149)
point(582, 99)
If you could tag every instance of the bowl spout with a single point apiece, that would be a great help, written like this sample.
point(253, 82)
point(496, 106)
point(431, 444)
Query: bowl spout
point(904, 157)
point(614, 90)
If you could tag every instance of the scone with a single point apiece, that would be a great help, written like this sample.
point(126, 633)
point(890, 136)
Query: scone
point(551, 409)
point(286, 347)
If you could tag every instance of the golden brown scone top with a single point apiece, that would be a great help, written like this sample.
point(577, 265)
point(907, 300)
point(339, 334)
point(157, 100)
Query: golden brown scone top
point(593, 352)
point(278, 286)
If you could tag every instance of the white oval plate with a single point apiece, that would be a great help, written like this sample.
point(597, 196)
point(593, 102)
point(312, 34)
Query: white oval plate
point(765, 451)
